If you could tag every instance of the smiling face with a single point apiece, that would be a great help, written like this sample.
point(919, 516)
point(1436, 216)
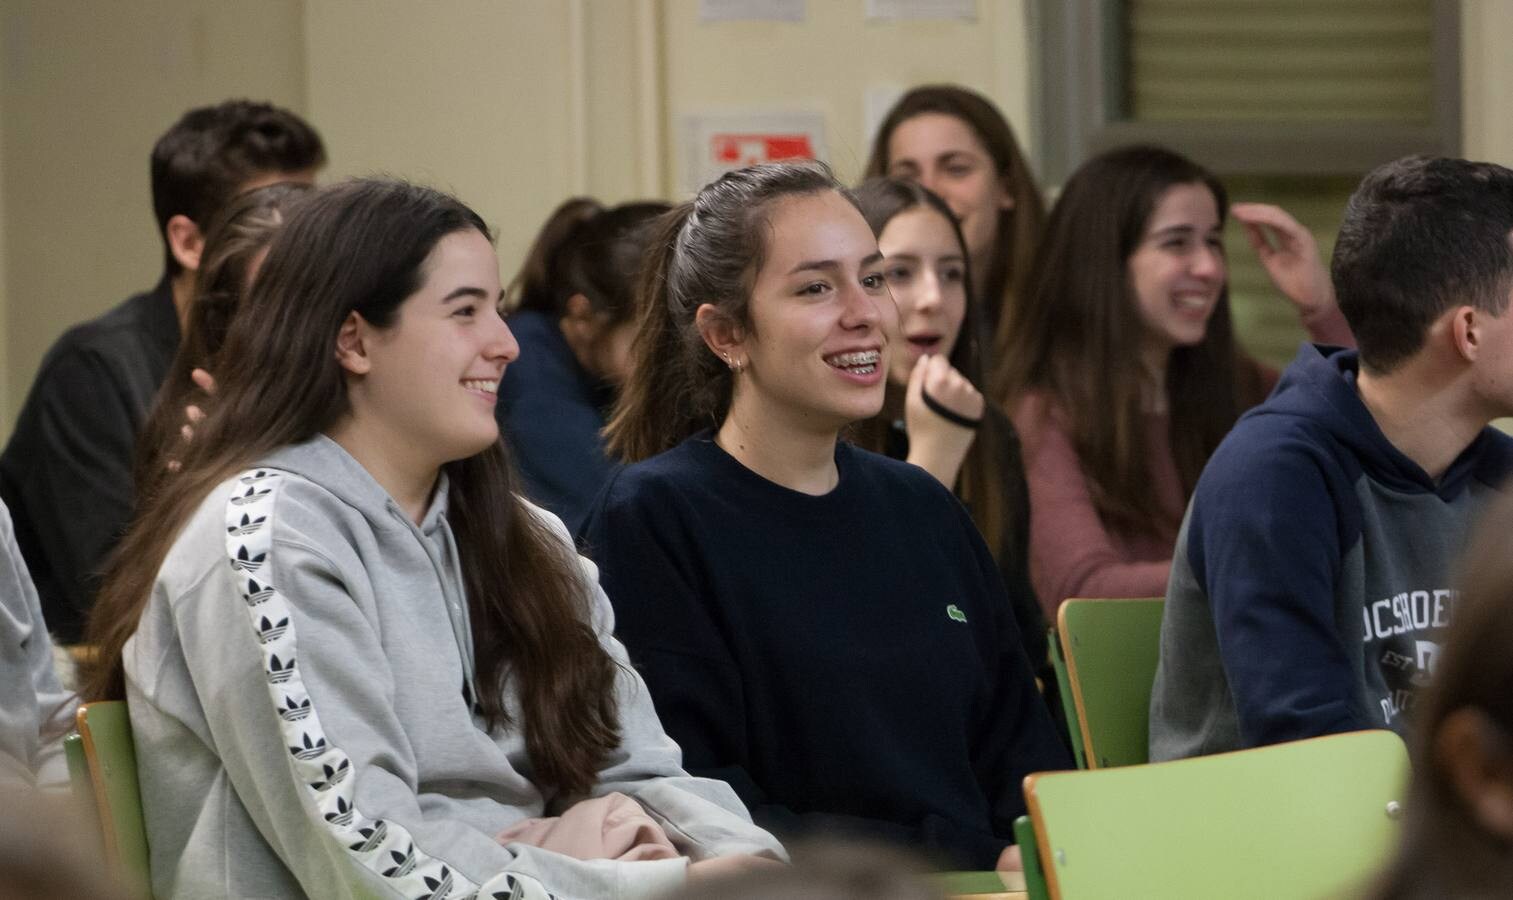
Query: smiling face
point(815, 350)
point(926, 272)
point(942, 153)
point(431, 378)
point(1177, 271)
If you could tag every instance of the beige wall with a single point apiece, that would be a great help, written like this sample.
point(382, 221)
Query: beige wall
point(87, 86)
point(1487, 80)
point(514, 104)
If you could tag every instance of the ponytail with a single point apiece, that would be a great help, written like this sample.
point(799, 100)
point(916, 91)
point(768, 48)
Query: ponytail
point(657, 407)
point(532, 286)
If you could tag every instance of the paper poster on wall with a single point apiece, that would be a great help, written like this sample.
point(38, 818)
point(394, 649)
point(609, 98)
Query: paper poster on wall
point(915, 10)
point(716, 143)
point(751, 10)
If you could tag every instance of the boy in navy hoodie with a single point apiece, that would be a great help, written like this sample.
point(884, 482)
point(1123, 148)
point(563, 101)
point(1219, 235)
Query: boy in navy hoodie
point(1310, 585)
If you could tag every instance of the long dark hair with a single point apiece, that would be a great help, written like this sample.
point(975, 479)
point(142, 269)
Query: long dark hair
point(585, 248)
point(234, 239)
point(1018, 228)
point(1074, 336)
point(361, 247)
point(982, 484)
point(1444, 851)
point(707, 250)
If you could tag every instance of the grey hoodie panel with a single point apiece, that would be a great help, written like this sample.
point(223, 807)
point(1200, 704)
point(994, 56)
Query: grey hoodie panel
point(1409, 543)
point(35, 710)
point(297, 690)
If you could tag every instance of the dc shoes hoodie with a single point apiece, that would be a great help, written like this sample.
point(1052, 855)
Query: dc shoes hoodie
point(1310, 585)
point(300, 690)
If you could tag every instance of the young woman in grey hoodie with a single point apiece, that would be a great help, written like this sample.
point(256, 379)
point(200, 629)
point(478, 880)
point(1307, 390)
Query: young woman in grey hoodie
point(357, 663)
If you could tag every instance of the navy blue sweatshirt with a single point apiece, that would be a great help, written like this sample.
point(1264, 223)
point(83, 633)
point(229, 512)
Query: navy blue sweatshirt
point(551, 411)
point(849, 663)
point(1311, 582)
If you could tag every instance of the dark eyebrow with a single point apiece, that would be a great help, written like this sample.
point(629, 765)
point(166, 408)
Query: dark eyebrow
point(949, 155)
point(1183, 231)
point(474, 292)
point(830, 265)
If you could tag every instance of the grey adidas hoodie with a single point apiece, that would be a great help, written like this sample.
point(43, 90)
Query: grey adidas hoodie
point(297, 690)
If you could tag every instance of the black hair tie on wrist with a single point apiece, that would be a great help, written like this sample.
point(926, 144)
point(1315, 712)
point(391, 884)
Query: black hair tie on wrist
point(950, 415)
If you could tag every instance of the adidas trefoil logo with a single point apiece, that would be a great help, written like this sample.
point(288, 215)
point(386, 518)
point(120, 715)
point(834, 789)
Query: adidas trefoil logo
point(257, 593)
point(271, 631)
point(343, 815)
point(251, 496)
point(405, 863)
point(247, 526)
point(292, 711)
point(255, 477)
point(334, 776)
point(372, 837)
point(311, 750)
point(280, 672)
point(245, 562)
point(440, 886)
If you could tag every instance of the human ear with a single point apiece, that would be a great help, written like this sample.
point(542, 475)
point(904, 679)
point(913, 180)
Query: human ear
point(724, 338)
point(351, 346)
point(578, 323)
point(185, 241)
point(1466, 333)
point(1468, 749)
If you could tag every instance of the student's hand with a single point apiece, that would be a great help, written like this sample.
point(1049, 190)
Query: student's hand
point(1010, 860)
point(193, 414)
point(204, 380)
point(728, 866)
point(937, 444)
point(1290, 255)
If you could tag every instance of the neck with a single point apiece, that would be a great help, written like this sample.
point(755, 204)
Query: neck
point(1425, 409)
point(787, 453)
point(182, 286)
point(410, 482)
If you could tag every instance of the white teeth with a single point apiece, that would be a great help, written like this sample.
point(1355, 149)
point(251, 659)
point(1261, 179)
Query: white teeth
point(488, 386)
point(857, 361)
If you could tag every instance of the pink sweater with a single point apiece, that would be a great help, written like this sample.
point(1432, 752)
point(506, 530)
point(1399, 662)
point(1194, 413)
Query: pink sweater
point(1071, 553)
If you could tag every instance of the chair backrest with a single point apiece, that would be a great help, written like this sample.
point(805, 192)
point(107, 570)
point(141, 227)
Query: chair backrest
point(1064, 692)
point(1111, 648)
point(1309, 818)
point(105, 730)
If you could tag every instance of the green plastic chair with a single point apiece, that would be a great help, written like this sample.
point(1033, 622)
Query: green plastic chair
point(1068, 705)
point(992, 884)
point(1307, 819)
point(1034, 875)
point(105, 732)
point(1111, 648)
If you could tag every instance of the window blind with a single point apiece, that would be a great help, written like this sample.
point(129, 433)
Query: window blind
point(1278, 61)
